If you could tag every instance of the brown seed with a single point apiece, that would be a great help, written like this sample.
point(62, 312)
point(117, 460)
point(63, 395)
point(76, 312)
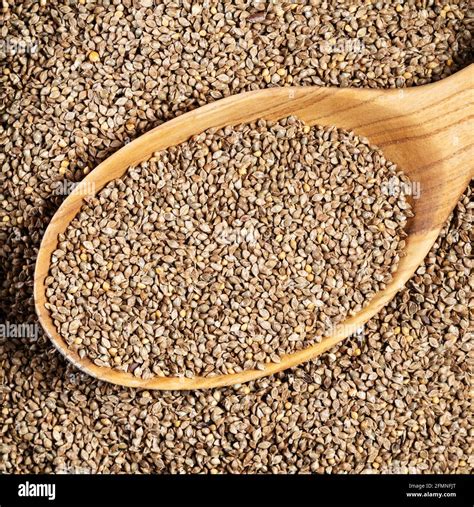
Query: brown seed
point(210, 267)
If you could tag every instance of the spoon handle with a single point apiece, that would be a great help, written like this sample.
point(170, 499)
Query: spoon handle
point(439, 116)
point(426, 131)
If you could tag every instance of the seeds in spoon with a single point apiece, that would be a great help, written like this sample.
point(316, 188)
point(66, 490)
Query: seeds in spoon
point(228, 251)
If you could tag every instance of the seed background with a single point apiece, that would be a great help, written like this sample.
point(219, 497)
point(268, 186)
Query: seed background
point(98, 74)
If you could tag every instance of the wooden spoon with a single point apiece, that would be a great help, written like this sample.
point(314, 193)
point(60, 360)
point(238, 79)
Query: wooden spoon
point(426, 131)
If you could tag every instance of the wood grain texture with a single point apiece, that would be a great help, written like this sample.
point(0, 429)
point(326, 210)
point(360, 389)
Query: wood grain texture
point(426, 131)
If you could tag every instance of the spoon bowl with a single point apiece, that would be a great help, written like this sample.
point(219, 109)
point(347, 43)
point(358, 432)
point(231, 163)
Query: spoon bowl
point(426, 131)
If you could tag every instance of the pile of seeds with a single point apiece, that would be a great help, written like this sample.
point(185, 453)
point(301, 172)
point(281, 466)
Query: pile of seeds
point(229, 250)
point(394, 400)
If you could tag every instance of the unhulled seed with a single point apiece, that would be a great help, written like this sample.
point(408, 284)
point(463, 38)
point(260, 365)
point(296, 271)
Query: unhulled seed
point(261, 257)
